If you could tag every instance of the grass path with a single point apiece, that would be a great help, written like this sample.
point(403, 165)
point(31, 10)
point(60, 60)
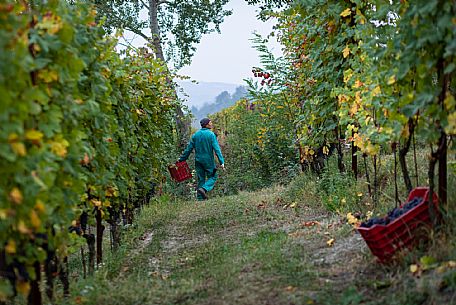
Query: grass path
point(252, 248)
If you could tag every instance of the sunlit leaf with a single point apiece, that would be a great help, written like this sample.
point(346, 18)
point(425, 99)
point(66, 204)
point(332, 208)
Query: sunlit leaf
point(352, 220)
point(19, 149)
point(34, 219)
point(346, 12)
point(346, 52)
point(15, 196)
point(34, 135)
point(391, 80)
point(10, 247)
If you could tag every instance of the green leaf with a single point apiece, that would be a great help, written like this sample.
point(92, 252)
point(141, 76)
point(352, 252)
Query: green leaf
point(450, 68)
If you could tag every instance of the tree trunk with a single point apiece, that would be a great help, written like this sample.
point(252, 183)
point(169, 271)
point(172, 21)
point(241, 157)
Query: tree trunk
point(340, 153)
point(444, 80)
point(154, 29)
point(50, 269)
point(34, 297)
point(84, 265)
point(115, 230)
point(369, 188)
point(403, 151)
point(90, 239)
point(182, 124)
point(64, 276)
point(375, 197)
point(431, 171)
point(354, 161)
point(100, 229)
point(443, 173)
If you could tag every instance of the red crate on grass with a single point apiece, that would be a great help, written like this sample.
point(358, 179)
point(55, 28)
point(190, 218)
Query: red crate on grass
point(180, 171)
point(385, 240)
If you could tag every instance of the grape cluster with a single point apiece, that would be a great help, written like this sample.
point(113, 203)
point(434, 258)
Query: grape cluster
point(257, 72)
point(393, 214)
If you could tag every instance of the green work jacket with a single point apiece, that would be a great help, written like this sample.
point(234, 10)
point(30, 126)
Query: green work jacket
point(205, 144)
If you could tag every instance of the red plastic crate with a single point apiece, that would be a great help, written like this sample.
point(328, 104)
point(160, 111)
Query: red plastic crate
point(180, 171)
point(385, 240)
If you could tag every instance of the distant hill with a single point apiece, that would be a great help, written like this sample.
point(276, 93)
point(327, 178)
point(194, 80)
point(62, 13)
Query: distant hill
point(222, 101)
point(203, 92)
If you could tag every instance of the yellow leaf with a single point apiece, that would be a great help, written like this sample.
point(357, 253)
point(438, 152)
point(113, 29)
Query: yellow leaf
point(33, 135)
point(330, 242)
point(371, 149)
point(449, 102)
point(362, 19)
point(342, 98)
point(107, 203)
point(39, 206)
point(48, 76)
point(79, 101)
point(325, 150)
point(35, 220)
point(358, 98)
point(290, 288)
point(51, 23)
point(352, 220)
point(441, 269)
point(392, 79)
point(354, 108)
point(36, 47)
point(10, 248)
point(13, 137)
point(15, 196)
point(19, 149)
point(348, 75)
point(346, 12)
point(23, 287)
point(405, 133)
point(21, 227)
point(293, 205)
point(357, 84)
point(414, 268)
point(3, 214)
point(346, 51)
point(59, 146)
point(96, 202)
point(450, 129)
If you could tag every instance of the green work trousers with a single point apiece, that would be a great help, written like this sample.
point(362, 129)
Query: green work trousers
point(206, 177)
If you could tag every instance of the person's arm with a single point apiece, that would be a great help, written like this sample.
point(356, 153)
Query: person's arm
point(218, 151)
point(187, 151)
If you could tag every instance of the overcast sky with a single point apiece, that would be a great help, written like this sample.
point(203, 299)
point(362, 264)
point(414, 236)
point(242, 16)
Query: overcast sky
point(229, 57)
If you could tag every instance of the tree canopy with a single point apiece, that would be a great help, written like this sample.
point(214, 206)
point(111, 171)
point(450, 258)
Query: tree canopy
point(174, 27)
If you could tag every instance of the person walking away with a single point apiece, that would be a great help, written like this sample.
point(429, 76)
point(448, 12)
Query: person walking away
point(205, 143)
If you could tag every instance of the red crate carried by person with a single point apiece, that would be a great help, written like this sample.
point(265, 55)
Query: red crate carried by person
point(180, 171)
point(384, 240)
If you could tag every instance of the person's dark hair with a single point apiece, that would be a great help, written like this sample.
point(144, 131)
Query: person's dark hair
point(204, 122)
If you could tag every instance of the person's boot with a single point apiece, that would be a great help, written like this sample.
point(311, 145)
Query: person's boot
point(202, 193)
